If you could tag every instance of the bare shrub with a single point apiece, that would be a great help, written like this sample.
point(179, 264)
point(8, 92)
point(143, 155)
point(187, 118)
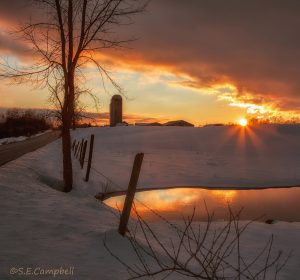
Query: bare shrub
point(199, 250)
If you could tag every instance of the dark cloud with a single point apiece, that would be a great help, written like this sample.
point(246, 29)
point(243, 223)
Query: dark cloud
point(16, 10)
point(12, 45)
point(254, 44)
point(12, 15)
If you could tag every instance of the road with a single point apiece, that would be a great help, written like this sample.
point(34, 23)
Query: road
point(12, 151)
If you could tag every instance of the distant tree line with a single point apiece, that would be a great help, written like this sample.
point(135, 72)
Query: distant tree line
point(23, 123)
point(274, 120)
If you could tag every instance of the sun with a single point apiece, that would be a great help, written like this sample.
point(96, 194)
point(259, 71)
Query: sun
point(243, 122)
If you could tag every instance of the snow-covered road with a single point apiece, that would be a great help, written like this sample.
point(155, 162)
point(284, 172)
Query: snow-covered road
point(12, 151)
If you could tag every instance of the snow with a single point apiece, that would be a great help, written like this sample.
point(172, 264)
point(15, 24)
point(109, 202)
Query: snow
point(43, 227)
point(9, 140)
point(220, 157)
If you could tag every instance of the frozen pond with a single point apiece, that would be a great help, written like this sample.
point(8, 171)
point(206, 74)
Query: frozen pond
point(265, 204)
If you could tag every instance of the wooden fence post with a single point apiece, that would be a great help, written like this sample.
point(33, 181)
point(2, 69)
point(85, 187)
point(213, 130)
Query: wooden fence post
point(83, 154)
point(135, 173)
point(87, 176)
point(73, 144)
point(76, 149)
point(80, 150)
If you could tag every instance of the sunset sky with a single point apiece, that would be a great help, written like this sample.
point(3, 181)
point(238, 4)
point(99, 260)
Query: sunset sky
point(201, 61)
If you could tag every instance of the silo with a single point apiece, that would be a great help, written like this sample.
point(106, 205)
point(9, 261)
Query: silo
point(116, 110)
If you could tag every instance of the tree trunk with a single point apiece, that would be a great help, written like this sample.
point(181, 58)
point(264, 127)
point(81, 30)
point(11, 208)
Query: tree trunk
point(67, 160)
point(66, 140)
point(74, 122)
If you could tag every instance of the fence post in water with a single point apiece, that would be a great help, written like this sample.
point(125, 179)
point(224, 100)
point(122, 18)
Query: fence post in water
point(83, 154)
point(87, 176)
point(135, 173)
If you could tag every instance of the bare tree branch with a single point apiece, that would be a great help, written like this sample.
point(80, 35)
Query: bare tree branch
point(198, 253)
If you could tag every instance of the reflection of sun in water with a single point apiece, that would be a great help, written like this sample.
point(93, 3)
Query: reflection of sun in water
point(243, 122)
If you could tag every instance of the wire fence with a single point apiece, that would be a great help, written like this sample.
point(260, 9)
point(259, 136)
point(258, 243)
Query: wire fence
point(77, 148)
point(79, 153)
point(116, 187)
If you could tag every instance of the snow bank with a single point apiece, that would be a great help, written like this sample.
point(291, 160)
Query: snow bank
point(9, 140)
point(229, 156)
point(42, 227)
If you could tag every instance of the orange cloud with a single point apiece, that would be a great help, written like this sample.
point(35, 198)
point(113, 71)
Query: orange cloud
point(260, 105)
point(246, 56)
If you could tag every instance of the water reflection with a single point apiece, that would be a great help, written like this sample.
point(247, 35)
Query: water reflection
point(276, 203)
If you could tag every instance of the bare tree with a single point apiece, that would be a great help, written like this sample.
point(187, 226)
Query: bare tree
point(64, 42)
point(200, 251)
point(80, 109)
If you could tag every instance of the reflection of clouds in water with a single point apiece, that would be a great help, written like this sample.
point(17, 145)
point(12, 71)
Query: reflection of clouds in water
point(160, 200)
point(280, 204)
point(178, 195)
point(172, 199)
point(116, 202)
point(225, 195)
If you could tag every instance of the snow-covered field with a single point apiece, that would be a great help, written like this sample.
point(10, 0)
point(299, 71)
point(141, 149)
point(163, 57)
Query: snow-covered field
point(210, 157)
point(42, 227)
